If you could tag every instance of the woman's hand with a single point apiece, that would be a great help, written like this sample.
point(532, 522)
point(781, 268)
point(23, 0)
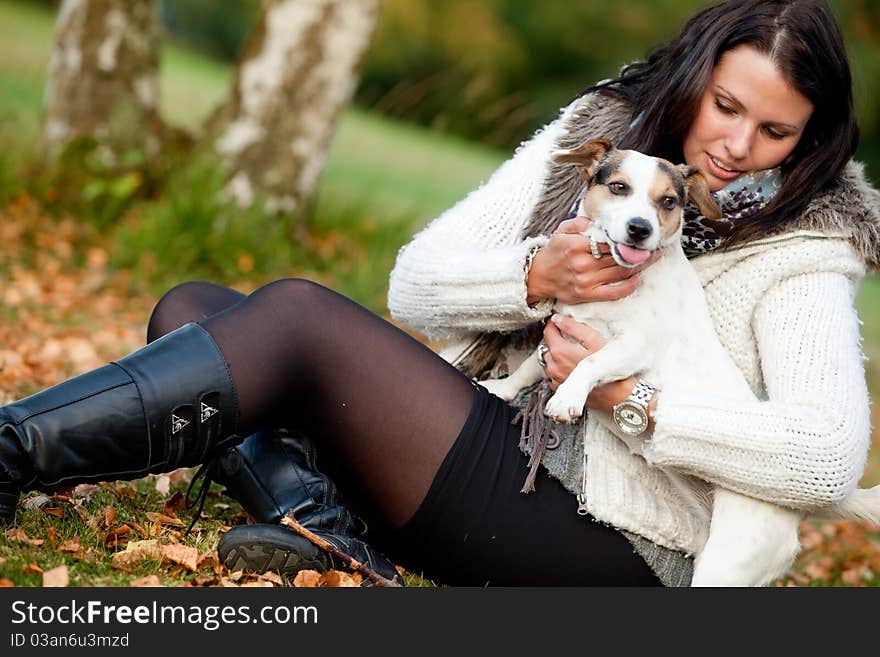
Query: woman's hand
point(568, 343)
point(565, 269)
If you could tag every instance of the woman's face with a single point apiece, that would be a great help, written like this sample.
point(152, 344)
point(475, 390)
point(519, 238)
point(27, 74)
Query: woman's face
point(750, 118)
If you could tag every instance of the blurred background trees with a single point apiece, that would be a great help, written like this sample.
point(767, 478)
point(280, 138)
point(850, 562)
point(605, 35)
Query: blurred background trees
point(294, 75)
point(495, 70)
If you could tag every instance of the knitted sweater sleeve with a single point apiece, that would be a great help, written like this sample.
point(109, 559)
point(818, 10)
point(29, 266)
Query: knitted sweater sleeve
point(465, 271)
point(806, 445)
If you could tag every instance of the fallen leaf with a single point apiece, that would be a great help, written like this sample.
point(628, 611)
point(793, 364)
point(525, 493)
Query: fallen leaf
point(83, 513)
point(118, 536)
point(52, 537)
point(6, 583)
point(70, 545)
point(85, 491)
point(162, 519)
point(32, 568)
point(182, 555)
point(20, 536)
point(258, 584)
point(146, 582)
point(210, 580)
point(338, 579)
point(140, 531)
point(56, 577)
point(109, 517)
point(173, 504)
point(817, 570)
point(137, 551)
point(55, 511)
point(163, 484)
point(208, 559)
point(307, 579)
point(273, 577)
point(856, 576)
point(120, 490)
point(35, 501)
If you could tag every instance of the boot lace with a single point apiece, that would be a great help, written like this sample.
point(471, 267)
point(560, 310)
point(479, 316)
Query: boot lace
point(205, 474)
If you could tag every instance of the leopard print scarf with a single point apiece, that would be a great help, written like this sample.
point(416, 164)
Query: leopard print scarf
point(742, 198)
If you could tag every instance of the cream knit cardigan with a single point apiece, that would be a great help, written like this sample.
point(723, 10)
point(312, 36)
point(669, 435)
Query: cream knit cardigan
point(782, 306)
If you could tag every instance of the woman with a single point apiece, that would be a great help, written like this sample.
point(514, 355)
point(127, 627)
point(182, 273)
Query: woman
point(757, 95)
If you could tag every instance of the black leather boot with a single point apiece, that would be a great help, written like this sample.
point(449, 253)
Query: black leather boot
point(170, 404)
point(273, 472)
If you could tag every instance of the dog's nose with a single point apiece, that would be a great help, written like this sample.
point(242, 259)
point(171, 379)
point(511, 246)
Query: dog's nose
point(638, 228)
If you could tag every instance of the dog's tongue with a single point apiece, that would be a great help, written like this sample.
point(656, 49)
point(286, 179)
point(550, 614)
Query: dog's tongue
point(632, 255)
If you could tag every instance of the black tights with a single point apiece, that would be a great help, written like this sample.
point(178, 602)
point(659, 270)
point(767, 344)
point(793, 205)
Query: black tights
point(428, 458)
point(386, 406)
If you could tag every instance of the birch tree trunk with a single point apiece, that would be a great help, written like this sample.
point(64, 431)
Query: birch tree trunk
point(103, 75)
point(297, 72)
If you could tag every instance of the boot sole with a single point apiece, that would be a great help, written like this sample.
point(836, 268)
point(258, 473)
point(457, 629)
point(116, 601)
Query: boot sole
point(258, 551)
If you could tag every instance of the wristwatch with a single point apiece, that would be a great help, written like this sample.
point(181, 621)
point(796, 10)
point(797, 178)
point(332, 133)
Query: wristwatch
point(631, 415)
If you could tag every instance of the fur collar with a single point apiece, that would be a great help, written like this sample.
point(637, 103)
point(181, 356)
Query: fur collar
point(849, 209)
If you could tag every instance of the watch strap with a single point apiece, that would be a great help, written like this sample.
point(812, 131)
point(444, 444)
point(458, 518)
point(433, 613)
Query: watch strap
point(642, 393)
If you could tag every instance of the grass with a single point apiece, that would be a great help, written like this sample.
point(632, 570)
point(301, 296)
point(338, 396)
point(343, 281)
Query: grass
point(382, 181)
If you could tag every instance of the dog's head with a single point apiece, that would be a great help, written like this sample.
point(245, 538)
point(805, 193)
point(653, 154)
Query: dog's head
point(636, 201)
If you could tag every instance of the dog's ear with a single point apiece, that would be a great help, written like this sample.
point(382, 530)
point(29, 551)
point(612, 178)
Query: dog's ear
point(585, 157)
point(697, 188)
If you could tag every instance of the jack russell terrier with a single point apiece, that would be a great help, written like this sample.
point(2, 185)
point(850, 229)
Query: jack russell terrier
point(663, 332)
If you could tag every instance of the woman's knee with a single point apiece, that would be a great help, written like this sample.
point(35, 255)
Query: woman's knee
point(296, 293)
point(191, 301)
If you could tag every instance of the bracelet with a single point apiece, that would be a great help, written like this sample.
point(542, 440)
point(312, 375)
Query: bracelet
point(530, 258)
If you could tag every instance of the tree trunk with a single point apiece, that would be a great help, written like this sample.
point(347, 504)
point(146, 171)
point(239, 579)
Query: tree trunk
point(103, 76)
point(297, 72)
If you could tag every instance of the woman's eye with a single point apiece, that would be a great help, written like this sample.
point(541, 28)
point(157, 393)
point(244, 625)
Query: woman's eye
point(726, 109)
point(668, 202)
point(774, 134)
point(617, 188)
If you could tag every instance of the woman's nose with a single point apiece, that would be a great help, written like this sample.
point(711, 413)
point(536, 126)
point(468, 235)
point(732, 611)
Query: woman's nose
point(739, 141)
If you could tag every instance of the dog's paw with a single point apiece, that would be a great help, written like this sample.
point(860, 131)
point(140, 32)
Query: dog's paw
point(500, 388)
point(563, 407)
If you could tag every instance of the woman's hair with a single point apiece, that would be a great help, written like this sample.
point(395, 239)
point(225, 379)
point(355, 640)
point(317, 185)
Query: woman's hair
point(803, 39)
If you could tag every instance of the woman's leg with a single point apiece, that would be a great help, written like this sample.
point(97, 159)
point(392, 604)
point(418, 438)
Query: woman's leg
point(271, 472)
point(189, 302)
point(383, 403)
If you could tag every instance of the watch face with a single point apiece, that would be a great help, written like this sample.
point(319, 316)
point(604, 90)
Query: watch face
point(630, 418)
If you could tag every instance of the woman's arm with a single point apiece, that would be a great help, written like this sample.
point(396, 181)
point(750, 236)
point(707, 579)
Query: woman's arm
point(806, 445)
point(803, 447)
point(466, 270)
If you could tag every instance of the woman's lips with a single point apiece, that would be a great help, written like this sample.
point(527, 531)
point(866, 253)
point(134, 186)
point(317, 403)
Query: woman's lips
point(718, 172)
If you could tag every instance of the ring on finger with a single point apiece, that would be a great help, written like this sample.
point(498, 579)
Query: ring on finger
point(542, 351)
point(594, 248)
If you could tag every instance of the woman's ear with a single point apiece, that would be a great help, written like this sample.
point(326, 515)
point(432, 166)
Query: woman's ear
point(697, 189)
point(586, 157)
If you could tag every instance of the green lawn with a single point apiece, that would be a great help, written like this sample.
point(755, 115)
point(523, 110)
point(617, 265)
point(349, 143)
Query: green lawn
point(388, 170)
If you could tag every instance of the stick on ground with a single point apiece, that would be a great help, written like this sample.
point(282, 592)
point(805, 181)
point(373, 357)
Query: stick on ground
point(289, 522)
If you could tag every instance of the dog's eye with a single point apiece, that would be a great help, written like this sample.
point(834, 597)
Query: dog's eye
point(618, 188)
point(668, 202)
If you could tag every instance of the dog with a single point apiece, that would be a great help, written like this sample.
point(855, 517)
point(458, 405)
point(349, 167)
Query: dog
point(663, 332)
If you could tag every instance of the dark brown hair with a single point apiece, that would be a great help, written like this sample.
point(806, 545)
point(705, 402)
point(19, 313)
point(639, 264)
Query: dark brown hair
point(803, 39)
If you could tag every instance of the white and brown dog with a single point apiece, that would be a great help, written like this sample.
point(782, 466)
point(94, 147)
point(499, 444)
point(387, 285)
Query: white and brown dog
point(663, 332)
